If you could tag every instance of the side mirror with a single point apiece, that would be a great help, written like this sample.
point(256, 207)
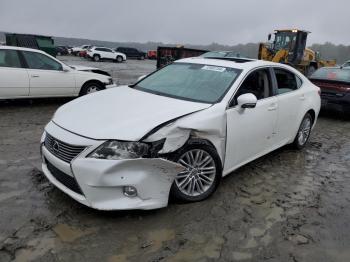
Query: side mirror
point(247, 100)
point(141, 77)
point(269, 37)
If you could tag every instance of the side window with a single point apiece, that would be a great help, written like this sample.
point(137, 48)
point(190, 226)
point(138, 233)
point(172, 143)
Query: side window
point(98, 49)
point(41, 61)
point(286, 81)
point(257, 83)
point(9, 58)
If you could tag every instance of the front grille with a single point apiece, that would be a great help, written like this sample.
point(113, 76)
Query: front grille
point(63, 178)
point(61, 150)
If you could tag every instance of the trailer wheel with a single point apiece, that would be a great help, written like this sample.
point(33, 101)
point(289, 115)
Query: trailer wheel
point(311, 70)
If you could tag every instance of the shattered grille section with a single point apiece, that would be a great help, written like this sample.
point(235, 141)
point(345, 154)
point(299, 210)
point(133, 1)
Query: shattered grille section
point(63, 178)
point(61, 150)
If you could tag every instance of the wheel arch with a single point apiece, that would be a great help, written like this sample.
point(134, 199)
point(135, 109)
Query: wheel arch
point(89, 82)
point(193, 140)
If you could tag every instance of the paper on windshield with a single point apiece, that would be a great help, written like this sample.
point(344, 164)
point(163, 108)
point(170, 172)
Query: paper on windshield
point(214, 68)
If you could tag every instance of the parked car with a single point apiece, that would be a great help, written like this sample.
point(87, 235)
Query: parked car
point(82, 53)
point(178, 130)
point(77, 49)
point(104, 53)
point(152, 54)
point(346, 64)
point(131, 52)
point(335, 87)
point(61, 50)
point(31, 73)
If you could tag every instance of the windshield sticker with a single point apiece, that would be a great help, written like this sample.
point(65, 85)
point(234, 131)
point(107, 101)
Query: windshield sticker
point(214, 68)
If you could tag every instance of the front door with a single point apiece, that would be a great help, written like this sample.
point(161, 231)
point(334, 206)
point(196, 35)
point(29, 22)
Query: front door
point(250, 131)
point(47, 77)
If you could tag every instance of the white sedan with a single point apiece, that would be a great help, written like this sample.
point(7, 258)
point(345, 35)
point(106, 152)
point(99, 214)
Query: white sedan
point(176, 132)
point(26, 72)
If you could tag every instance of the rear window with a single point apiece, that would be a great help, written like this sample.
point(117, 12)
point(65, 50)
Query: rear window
point(9, 58)
point(333, 74)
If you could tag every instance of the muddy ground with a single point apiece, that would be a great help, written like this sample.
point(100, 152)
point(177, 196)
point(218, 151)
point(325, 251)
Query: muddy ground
point(287, 206)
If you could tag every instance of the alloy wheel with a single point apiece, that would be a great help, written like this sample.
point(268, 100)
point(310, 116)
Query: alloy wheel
point(199, 175)
point(304, 131)
point(92, 89)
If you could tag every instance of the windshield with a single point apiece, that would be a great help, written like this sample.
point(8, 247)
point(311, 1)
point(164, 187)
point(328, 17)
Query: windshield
point(285, 40)
point(334, 74)
point(193, 82)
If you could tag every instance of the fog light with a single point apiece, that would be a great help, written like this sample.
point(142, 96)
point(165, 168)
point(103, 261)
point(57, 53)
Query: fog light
point(130, 191)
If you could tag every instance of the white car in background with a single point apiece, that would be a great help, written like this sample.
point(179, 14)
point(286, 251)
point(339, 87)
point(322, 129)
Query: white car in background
point(31, 73)
point(104, 53)
point(177, 131)
point(75, 50)
point(346, 64)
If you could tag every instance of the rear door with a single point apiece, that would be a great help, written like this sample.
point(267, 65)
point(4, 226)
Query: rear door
point(290, 98)
point(14, 80)
point(108, 53)
point(46, 76)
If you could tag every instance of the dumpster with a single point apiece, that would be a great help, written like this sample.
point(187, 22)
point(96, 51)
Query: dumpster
point(44, 43)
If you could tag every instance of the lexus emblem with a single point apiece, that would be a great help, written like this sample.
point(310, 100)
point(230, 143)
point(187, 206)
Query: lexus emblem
point(56, 146)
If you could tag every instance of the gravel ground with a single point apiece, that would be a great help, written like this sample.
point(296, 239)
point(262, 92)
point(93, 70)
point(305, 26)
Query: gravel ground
point(286, 206)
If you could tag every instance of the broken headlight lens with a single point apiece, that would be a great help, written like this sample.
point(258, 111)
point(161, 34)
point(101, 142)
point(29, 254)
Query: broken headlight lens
point(117, 150)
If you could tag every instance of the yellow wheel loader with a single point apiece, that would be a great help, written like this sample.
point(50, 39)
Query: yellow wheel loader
point(289, 47)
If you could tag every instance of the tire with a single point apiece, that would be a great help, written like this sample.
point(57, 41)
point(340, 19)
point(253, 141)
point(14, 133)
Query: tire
point(96, 58)
point(119, 59)
point(90, 87)
point(188, 184)
point(304, 132)
point(142, 57)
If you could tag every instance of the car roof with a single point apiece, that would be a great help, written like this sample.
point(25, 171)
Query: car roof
point(239, 63)
point(21, 48)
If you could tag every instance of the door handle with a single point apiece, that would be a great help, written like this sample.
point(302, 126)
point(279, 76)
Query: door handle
point(34, 76)
point(302, 97)
point(272, 107)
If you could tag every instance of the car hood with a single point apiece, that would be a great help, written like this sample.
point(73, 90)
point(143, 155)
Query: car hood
point(121, 113)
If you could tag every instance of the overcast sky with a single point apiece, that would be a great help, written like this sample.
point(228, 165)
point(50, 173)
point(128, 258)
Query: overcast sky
point(177, 21)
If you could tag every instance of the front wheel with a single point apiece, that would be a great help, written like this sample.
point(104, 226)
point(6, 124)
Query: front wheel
point(90, 88)
point(202, 174)
point(119, 59)
point(303, 132)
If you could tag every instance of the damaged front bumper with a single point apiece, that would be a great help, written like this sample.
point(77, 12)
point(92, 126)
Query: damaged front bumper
point(100, 183)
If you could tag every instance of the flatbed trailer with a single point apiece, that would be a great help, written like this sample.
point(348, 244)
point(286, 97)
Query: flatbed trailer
point(166, 55)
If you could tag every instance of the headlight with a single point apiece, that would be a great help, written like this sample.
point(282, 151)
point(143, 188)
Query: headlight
point(117, 150)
